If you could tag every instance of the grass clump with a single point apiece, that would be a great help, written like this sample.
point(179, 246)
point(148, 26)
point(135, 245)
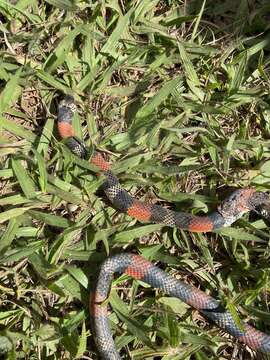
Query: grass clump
point(177, 94)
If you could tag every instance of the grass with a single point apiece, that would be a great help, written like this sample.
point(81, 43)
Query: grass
point(177, 94)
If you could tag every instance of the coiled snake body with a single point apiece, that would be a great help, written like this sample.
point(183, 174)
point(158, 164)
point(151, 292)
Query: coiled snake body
point(238, 203)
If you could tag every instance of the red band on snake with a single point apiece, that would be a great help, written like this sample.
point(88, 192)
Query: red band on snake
point(239, 202)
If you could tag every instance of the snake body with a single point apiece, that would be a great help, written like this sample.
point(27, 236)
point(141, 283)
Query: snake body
point(233, 207)
point(139, 268)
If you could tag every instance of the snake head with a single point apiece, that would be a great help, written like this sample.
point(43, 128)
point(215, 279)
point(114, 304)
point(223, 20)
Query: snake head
point(242, 201)
point(68, 102)
point(66, 109)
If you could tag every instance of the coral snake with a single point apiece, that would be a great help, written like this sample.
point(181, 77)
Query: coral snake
point(239, 202)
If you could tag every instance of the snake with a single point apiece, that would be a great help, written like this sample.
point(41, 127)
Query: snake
point(239, 202)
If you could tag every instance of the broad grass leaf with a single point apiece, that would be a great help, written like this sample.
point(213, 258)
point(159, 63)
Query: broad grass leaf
point(9, 234)
point(47, 218)
point(69, 5)
point(20, 253)
point(133, 325)
point(152, 104)
point(24, 179)
point(52, 81)
point(69, 286)
point(110, 46)
point(12, 213)
point(129, 235)
point(11, 92)
point(82, 346)
point(17, 129)
point(42, 177)
point(238, 234)
point(79, 275)
point(46, 136)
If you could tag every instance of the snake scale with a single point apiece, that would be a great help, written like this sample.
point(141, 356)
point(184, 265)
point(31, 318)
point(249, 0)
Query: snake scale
point(239, 202)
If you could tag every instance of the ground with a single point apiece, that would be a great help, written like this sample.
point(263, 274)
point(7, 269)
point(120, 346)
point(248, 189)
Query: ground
point(176, 94)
